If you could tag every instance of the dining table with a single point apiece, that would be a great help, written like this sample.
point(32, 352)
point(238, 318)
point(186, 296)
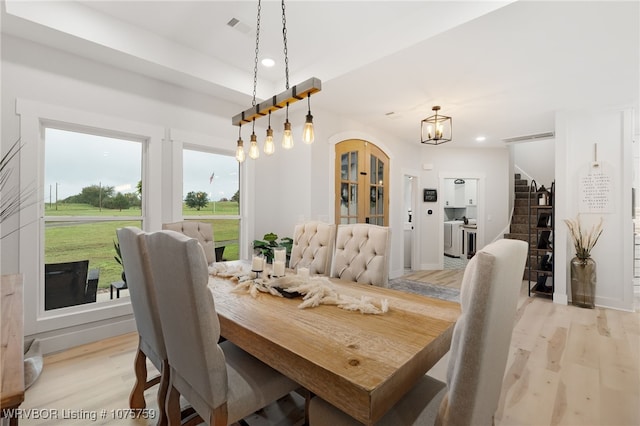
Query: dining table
point(360, 363)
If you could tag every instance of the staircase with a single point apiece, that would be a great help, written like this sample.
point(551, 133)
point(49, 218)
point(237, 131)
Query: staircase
point(519, 228)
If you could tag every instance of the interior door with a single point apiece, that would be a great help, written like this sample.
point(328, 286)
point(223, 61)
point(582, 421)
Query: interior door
point(362, 179)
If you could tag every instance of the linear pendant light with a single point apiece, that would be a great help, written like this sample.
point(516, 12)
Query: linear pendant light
point(276, 102)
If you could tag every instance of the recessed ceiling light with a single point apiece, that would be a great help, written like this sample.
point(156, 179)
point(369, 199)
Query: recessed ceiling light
point(268, 62)
point(481, 139)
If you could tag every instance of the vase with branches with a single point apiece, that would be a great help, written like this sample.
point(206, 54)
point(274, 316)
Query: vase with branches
point(583, 241)
point(583, 267)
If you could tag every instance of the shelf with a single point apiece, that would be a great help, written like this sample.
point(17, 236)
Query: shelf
point(546, 291)
point(542, 272)
point(540, 239)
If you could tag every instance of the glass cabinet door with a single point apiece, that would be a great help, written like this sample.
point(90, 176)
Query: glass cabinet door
point(361, 168)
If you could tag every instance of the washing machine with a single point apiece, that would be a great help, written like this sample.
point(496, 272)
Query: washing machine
point(453, 238)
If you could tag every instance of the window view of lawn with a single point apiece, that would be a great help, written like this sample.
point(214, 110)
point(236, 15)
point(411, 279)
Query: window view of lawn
point(93, 241)
point(93, 186)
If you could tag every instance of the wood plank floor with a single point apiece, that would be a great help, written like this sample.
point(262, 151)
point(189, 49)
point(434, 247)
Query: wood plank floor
point(567, 366)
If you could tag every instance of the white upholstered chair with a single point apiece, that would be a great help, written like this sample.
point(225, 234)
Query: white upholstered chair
point(478, 353)
point(220, 381)
point(145, 310)
point(313, 247)
point(361, 254)
point(201, 231)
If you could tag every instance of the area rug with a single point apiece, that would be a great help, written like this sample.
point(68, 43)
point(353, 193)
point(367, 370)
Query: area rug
point(425, 289)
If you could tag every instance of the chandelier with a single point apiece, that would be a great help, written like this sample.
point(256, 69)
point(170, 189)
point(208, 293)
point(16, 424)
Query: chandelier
point(276, 102)
point(436, 129)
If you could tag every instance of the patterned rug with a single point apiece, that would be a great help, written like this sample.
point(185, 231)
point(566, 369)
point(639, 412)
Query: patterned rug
point(426, 289)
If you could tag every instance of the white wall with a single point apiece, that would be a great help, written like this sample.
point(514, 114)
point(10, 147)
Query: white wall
point(576, 134)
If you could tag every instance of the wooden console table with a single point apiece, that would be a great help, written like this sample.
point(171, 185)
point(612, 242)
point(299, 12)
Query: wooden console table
point(11, 351)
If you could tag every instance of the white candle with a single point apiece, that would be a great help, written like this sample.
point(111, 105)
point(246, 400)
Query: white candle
point(278, 268)
point(280, 254)
point(256, 264)
point(303, 272)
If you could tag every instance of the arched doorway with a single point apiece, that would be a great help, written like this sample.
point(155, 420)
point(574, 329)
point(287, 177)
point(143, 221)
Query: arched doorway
point(362, 182)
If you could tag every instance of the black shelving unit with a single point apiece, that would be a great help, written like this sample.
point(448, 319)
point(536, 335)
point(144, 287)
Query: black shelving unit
point(541, 232)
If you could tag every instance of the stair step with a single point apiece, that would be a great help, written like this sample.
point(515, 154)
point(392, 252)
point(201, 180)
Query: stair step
point(521, 211)
point(521, 182)
point(521, 237)
point(521, 188)
point(517, 176)
point(525, 195)
point(520, 219)
point(522, 202)
point(519, 228)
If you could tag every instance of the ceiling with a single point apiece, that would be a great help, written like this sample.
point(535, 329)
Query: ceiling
point(500, 69)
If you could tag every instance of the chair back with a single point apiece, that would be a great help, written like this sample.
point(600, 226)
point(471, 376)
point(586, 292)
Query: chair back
point(91, 291)
point(480, 344)
point(65, 284)
point(201, 231)
point(313, 247)
point(189, 320)
point(137, 269)
point(362, 254)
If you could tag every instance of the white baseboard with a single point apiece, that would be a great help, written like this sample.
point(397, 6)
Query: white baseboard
point(561, 299)
point(61, 340)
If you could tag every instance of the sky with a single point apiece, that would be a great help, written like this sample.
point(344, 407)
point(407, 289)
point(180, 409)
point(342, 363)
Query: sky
point(77, 160)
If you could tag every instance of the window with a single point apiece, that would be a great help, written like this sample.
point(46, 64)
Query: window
point(92, 186)
point(211, 193)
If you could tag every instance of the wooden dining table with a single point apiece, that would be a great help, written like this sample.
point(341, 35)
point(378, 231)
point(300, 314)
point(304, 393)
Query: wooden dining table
point(362, 364)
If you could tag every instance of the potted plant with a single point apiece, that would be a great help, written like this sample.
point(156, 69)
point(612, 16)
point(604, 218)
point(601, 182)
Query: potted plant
point(269, 242)
point(12, 199)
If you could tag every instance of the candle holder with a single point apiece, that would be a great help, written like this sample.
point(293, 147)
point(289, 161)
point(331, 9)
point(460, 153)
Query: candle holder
point(258, 263)
point(278, 268)
point(279, 254)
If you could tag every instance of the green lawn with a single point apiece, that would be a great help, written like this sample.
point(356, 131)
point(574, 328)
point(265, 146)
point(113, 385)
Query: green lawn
point(70, 241)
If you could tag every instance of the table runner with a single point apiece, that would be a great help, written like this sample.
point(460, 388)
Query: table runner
point(314, 290)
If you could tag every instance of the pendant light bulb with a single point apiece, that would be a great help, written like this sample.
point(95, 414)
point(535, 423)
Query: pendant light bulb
point(269, 146)
point(240, 149)
point(254, 151)
point(287, 137)
point(307, 132)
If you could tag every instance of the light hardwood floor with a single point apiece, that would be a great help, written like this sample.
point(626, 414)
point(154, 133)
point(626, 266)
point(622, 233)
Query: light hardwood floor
point(567, 366)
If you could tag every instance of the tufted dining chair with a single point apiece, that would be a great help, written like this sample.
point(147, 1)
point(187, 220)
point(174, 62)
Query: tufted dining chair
point(362, 254)
point(201, 231)
point(221, 382)
point(478, 354)
point(313, 247)
point(145, 311)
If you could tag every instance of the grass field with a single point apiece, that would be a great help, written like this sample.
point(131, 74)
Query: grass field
point(70, 241)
